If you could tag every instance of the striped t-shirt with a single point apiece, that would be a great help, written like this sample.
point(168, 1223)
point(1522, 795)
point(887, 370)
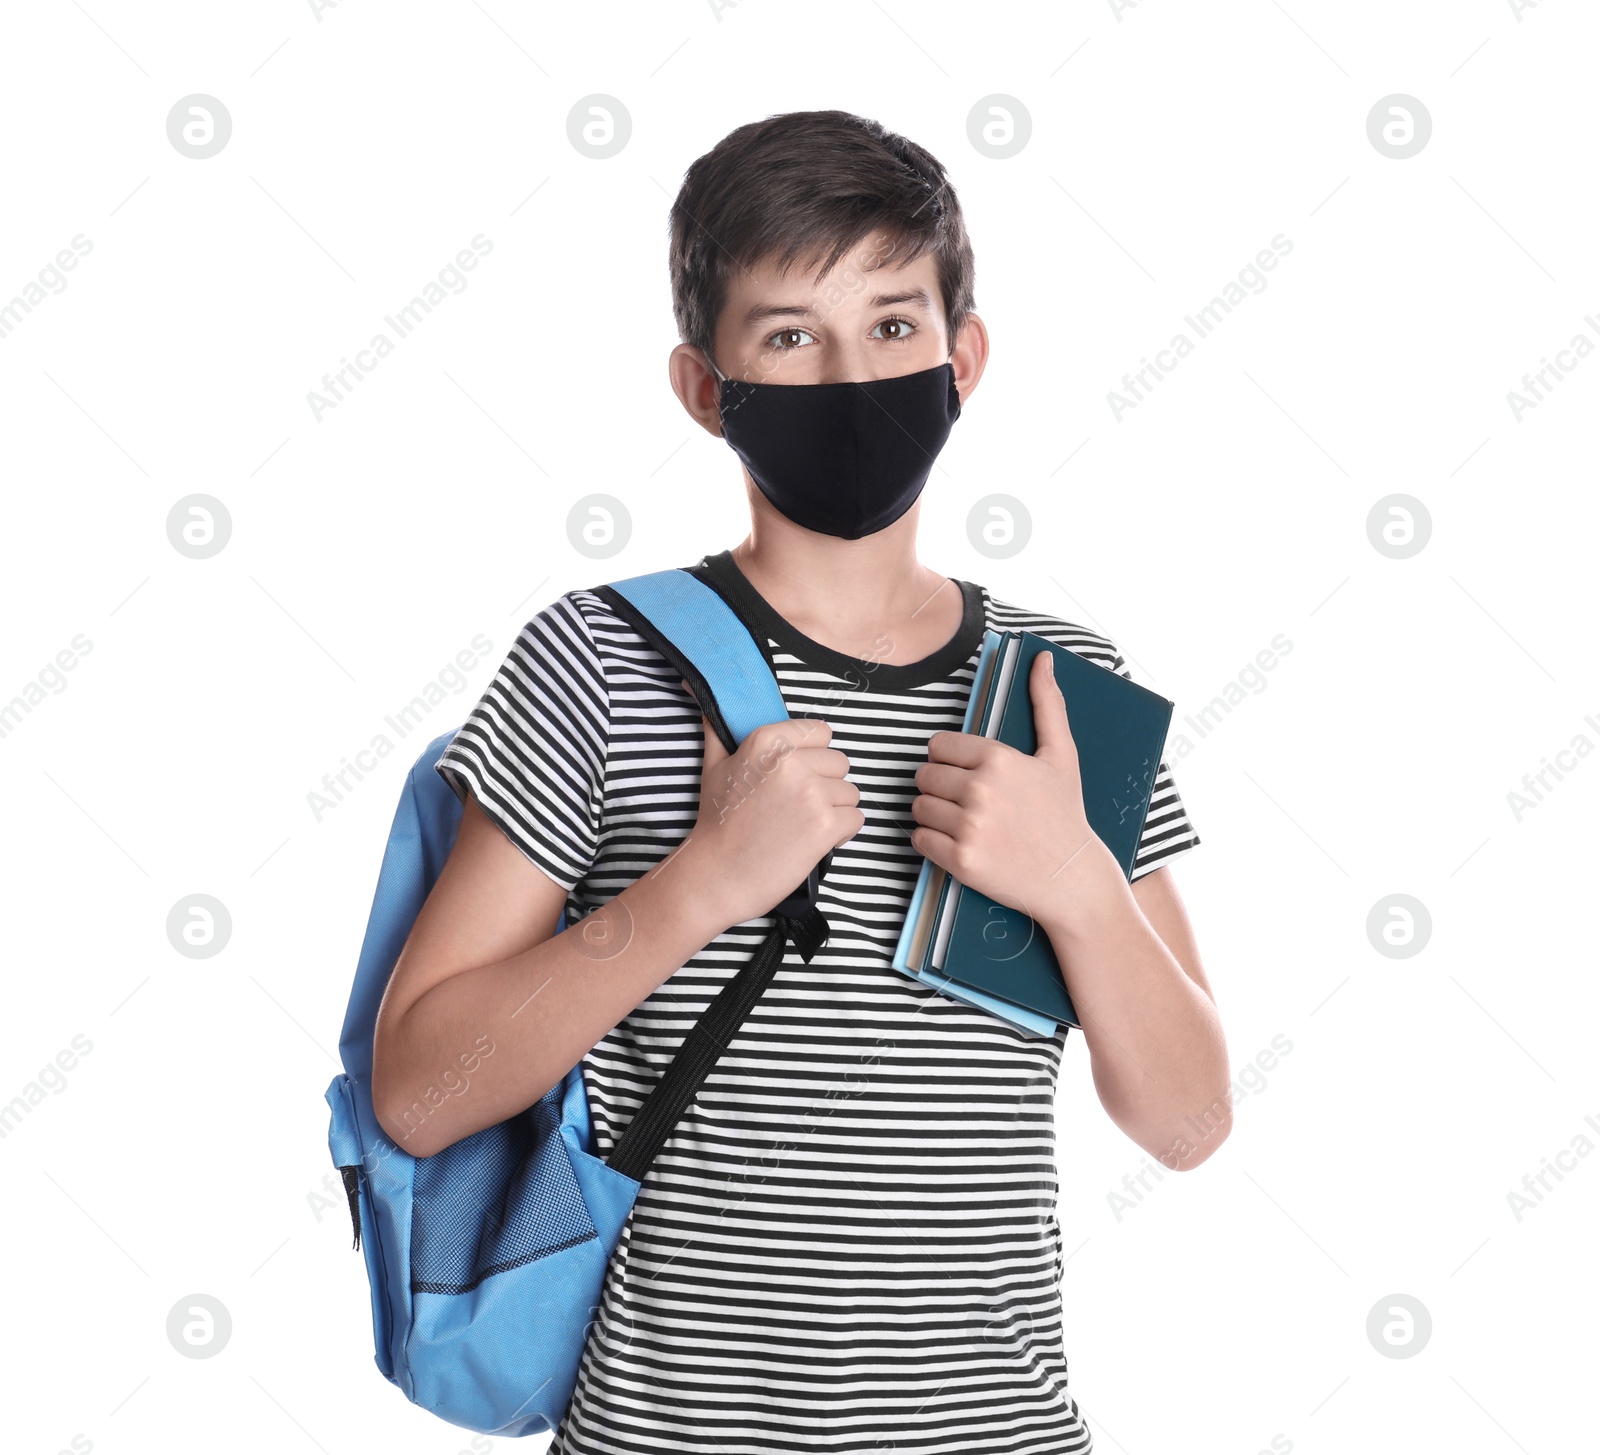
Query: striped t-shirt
point(849, 1242)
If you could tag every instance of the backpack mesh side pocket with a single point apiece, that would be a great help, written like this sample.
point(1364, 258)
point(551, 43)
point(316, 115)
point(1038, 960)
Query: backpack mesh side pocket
point(498, 1199)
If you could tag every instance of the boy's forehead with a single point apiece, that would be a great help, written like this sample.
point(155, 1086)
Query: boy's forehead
point(866, 271)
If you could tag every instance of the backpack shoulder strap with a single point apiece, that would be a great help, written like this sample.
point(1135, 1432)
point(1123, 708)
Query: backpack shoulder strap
point(700, 634)
point(733, 682)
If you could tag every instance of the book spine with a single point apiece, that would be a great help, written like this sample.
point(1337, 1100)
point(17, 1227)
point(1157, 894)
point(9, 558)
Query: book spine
point(977, 701)
point(986, 724)
point(901, 959)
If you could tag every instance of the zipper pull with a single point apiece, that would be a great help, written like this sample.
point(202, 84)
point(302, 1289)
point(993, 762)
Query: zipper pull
point(352, 1181)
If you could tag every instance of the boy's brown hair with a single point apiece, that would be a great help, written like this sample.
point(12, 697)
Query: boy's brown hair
point(803, 185)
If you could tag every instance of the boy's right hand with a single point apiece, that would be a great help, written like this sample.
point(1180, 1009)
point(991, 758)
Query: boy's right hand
point(768, 814)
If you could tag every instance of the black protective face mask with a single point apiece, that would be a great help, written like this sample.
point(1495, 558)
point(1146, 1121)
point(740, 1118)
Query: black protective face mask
point(843, 459)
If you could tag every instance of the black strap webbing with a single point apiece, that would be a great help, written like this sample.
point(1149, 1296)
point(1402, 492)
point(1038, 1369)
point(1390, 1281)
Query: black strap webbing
point(708, 1038)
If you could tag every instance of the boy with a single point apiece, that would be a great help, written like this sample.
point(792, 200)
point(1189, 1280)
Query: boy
point(850, 1240)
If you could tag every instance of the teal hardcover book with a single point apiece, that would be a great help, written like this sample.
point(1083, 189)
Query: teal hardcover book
point(933, 883)
point(955, 934)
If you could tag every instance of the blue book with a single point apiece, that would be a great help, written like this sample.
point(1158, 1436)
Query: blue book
point(963, 943)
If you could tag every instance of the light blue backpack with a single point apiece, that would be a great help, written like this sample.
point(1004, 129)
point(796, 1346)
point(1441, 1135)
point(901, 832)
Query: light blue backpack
point(485, 1261)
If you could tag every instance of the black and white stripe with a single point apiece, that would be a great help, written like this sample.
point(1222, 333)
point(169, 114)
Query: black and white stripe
point(850, 1242)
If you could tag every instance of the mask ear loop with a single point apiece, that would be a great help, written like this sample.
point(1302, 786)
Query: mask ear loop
point(721, 380)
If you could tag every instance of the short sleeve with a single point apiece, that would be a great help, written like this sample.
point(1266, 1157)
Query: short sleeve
point(533, 749)
point(1167, 830)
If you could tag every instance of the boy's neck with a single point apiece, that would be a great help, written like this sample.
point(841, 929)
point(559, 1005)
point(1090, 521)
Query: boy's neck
point(854, 596)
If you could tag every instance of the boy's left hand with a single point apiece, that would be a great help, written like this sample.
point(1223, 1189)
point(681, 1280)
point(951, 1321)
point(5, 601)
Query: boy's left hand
point(1011, 824)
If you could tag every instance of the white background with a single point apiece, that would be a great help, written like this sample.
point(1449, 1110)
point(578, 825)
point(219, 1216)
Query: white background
point(1170, 143)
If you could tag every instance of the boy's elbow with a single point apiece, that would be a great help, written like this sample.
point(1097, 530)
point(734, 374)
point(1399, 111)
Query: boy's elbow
point(404, 1125)
point(1192, 1154)
point(402, 1120)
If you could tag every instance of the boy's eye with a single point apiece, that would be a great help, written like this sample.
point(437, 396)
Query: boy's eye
point(788, 338)
point(901, 329)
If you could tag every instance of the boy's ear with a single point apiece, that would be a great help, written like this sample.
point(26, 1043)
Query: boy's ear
point(696, 386)
point(968, 355)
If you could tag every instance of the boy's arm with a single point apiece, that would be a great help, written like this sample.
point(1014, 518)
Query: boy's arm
point(488, 1008)
point(1156, 1045)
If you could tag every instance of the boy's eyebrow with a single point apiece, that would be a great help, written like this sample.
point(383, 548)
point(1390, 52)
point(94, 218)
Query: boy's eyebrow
point(911, 295)
point(761, 311)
